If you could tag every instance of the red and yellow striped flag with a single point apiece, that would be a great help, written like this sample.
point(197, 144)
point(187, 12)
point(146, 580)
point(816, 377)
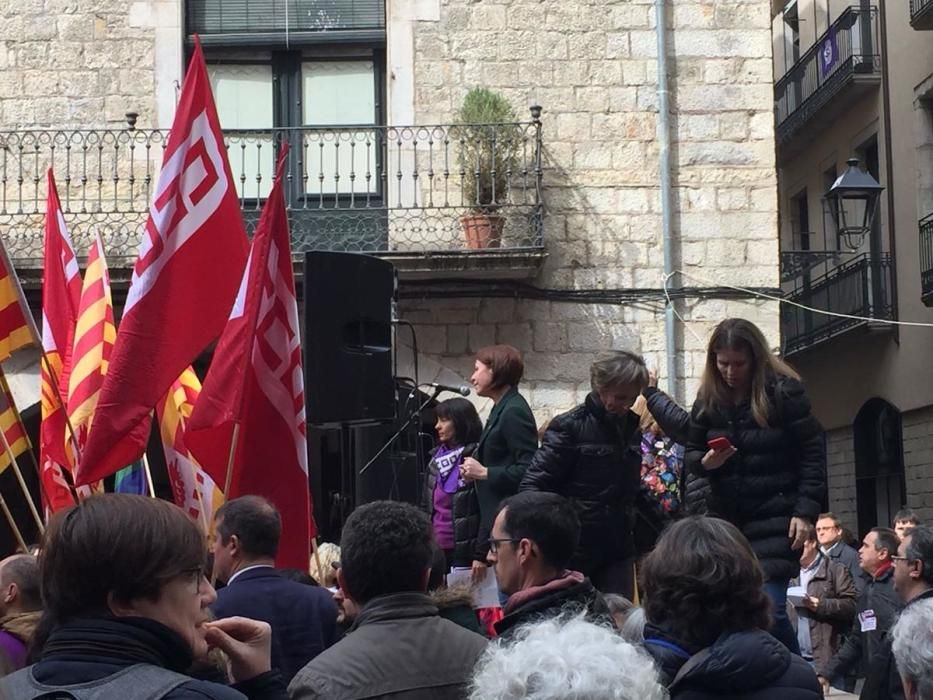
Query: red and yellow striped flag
point(11, 425)
point(194, 491)
point(14, 326)
point(93, 342)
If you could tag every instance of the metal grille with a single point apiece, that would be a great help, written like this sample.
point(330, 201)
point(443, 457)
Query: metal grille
point(926, 258)
point(921, 14)
point(365, 189)
point(860, 287)
point(264, 16)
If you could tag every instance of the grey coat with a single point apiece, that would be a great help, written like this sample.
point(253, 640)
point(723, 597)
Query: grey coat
point(399, 647)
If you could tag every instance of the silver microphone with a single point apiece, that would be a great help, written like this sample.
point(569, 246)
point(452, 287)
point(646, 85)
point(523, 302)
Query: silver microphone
point(463, 389)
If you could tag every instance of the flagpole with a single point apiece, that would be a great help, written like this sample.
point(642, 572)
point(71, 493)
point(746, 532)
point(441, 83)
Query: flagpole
point(148, 471)
point(231, 459)
point(37, 339)
point(317, 560)
point(13, 526)
point(22, 482)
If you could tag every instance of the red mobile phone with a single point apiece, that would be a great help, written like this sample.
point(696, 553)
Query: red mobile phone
point(719, 444)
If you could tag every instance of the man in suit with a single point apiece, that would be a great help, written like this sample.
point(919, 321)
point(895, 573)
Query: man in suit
point(303, 618)
point(829, 535)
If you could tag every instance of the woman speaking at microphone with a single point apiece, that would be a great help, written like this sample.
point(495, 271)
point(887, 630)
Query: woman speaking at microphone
point(508, 442)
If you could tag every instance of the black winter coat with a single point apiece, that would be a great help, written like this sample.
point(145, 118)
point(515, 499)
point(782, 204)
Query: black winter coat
point(579, 598)
point(750, 665)
point(779, 471)
point(87, 650)
point(675, 422)
point(593, 458)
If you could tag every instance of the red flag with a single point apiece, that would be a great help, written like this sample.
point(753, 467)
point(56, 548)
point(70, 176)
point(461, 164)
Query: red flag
point(256, 382)
point(61, 293)
point(183, 282)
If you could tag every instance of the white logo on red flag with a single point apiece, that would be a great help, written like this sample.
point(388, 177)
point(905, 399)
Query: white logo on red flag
point(192, 186)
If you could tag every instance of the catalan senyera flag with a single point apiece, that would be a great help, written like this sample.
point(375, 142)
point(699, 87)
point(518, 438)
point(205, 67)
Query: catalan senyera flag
point(93, 343)
point(184, 280)
point(61, 294)
point(11, 425)
point(253, 397)
point(193, 490)
point(15, 332)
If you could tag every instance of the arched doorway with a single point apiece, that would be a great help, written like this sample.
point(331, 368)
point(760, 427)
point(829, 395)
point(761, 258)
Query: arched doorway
point(880, 489)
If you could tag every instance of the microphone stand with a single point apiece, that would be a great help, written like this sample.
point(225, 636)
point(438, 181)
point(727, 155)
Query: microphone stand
point(411, 419)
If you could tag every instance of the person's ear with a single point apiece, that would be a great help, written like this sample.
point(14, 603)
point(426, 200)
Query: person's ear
point(233, 544)
point(526, 549)
point(120, 609)
point(10, 593)
point(425, 577)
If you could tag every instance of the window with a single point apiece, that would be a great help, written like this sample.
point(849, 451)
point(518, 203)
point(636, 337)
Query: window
point(800, 220)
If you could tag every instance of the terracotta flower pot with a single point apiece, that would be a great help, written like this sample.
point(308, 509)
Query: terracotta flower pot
point(482, 230)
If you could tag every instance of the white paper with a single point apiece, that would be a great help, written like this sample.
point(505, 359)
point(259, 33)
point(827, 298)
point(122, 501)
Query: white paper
point(485, 595)
point(796, 594)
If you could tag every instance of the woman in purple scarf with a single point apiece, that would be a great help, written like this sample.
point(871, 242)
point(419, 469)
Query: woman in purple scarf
point(452, 501)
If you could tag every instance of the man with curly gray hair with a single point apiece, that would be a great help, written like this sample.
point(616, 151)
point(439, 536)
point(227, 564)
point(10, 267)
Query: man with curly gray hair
point(565, 659)
point(913, 649)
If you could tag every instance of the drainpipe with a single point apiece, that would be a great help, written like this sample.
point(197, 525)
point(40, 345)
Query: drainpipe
point(667, 228)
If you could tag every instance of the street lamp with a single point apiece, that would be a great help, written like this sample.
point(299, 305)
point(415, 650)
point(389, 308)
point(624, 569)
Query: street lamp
point(853, 204)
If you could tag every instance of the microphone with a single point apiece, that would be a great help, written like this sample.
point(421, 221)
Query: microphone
point(463, 389)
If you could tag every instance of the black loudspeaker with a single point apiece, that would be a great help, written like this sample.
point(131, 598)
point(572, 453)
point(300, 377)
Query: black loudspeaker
point(348, 338)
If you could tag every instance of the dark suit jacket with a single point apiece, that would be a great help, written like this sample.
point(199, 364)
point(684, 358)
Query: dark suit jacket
point(505, 448)
point(303, 618)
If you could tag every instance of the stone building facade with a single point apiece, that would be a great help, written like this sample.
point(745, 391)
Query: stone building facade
point(592, 67)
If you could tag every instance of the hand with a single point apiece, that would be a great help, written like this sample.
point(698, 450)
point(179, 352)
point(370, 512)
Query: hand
point(798, 531)
point(823, 682)
point(653, 377)
point(247, 643)
point(478, 572)
point(471, 470)
point(714, 460)
point(811, 602)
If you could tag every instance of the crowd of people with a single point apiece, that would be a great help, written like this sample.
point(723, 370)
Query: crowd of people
point(639, 550)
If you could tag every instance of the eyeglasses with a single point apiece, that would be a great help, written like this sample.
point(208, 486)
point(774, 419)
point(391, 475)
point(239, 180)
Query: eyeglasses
point(196, 575)
point(895, 557)
point(494, 543)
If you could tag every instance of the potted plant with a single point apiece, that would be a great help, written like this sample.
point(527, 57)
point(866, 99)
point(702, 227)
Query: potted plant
point(489, 143)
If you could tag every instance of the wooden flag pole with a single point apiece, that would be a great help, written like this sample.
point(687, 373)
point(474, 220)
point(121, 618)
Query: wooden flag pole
point(22, 482)
point(148, 471)
point(317, 561)
point(13, 526)
point(231, 459)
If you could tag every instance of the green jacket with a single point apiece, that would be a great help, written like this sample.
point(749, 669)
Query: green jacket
point(508, 442)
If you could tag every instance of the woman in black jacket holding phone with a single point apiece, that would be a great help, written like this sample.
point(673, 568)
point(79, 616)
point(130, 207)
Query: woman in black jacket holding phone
point(752, 434)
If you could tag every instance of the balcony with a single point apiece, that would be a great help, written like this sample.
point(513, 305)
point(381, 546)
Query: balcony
point(394, 191)
point(841, 67)
point(926, 259)
point(860, 287)
point(921, 14)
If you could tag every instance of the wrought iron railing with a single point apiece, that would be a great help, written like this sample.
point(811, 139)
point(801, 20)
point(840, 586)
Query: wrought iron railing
point(921, 14)
point(849, 47)
point(859, 290)
point(362, 189)
point(926, 258)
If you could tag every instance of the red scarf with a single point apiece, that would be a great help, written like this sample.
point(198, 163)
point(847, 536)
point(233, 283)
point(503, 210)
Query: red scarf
point(880, 571)
point(565, 580)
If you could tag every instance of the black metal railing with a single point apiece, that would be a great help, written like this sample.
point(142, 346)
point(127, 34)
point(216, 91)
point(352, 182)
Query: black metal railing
point(361, 189)
point(859, 290)
point(849, 47)
point(921, 14)
point(926, 259)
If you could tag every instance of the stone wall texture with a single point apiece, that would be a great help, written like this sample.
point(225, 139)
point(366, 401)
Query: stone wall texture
point(592, 65)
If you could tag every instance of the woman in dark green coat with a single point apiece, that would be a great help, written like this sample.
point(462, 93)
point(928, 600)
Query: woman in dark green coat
point(507, 444)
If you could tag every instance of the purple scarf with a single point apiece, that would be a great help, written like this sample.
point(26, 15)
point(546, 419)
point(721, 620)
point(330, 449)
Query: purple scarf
point(447, 461)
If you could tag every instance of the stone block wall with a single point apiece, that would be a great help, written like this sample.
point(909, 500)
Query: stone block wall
point(918, 461)
point(592, 65)
point(840, 476)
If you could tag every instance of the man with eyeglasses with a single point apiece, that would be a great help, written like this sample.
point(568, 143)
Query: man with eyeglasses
point(533, 539)
point(913, 581)
point(829, 534)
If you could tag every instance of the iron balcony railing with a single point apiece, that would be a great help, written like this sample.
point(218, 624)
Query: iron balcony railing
point(926, 259)
point(860, 288)
point(848, 48)
point(921, 14)
point(372, 189)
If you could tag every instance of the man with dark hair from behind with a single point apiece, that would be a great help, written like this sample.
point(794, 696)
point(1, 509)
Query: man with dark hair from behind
point(398, 646)
point(303, 618)
point(20, 606)
point(913, 581)
point(533, 539)
point(876, 611)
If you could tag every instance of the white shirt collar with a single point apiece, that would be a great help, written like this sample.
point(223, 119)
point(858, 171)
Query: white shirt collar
point(249, 568)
